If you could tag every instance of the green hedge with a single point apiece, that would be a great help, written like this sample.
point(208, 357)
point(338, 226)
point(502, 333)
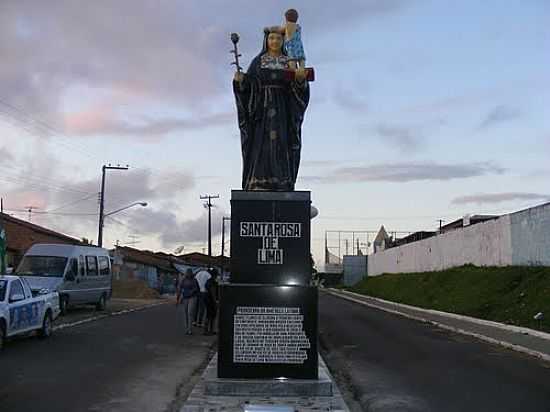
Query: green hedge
point(510, 295)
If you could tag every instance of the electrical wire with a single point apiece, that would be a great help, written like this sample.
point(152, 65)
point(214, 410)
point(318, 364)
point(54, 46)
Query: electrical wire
point(40, 127)
point(30, 183)
point(44, 212)
point(72, 203)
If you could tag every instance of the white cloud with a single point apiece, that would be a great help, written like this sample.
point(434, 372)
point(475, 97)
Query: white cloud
point(499, 114)
point(170, 53)
point(407, 172)
point(172, 232)
point(405, 139)
point(485, 198)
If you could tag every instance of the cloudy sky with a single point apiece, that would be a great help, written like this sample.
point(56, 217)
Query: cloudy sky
point(422, 110)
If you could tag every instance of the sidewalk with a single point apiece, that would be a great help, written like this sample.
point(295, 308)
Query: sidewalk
point(524, 340)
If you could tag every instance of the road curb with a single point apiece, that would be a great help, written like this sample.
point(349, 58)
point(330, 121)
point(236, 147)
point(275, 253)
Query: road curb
point(508, 345)
point(503, 326)
point(99, 317)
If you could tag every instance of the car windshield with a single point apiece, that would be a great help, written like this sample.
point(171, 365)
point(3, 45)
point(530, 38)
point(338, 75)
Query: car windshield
point(50, 266)
point(3, 287)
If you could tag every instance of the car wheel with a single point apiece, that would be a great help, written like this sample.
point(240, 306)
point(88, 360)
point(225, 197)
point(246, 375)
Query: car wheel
point(2, 335)
point(101, 304)
point(46, 330)
point(63, 304)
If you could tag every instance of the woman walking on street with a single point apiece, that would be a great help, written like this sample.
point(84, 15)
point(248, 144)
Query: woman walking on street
point(187, 299)
point(211, 302)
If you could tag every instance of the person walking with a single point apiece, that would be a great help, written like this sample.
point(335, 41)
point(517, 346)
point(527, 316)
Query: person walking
point(202, 277)
point(211, 302)
point(187, 299)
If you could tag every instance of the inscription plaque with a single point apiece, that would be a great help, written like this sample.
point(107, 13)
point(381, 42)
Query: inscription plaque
point(268, 331)
point(270, 237)
point(269, 335)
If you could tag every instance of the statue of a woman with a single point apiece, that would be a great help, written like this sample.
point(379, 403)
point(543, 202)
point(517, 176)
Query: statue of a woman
point(271, 109)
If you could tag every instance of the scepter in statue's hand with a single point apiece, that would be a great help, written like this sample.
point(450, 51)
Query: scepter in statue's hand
point(235, 52)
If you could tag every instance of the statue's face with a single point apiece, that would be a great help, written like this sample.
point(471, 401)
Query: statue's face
point(275, 42)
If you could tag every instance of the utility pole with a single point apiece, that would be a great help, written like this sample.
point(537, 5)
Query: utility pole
point(326, 249)
point(224, 218)
point(102, 200)
point(29, 209)
point(3, 240)
point(347, 246)
point(440, 224)
point(209, 206)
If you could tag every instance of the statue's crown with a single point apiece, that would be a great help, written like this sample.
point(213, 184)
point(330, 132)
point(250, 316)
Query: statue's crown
point(273, 29)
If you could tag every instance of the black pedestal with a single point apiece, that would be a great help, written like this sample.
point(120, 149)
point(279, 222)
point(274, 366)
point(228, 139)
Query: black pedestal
point(268, 312)
point(268, 331)
point(270, 237)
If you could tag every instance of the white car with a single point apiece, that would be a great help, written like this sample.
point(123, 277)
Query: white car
point(23, 312)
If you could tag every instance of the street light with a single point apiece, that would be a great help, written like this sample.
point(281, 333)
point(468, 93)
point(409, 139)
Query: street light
point(143, 204)
point(102, 218)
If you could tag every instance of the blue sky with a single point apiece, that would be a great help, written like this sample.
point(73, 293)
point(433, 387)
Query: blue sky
point(421, 110)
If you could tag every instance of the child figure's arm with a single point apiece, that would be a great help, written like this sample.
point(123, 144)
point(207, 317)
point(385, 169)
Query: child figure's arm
point(301, 56)
point(290, 29)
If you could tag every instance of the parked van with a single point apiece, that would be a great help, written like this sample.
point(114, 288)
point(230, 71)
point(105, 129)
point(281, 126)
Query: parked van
point(80, 274)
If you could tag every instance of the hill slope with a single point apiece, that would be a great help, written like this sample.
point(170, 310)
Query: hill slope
point(504, 294)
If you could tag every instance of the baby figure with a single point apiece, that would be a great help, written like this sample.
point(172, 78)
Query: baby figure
point(293, 40)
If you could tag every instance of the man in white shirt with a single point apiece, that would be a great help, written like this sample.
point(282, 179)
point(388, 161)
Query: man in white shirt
point(202, 277)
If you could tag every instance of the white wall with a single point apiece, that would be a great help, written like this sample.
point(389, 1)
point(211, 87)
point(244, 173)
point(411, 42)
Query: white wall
point(521, 238)
point(531, 236)
point(482, 244)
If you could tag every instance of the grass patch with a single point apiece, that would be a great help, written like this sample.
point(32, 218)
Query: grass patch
point(511, 295)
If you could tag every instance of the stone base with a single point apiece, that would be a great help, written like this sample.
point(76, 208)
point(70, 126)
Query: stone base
point(200, 401)
point(215, 386)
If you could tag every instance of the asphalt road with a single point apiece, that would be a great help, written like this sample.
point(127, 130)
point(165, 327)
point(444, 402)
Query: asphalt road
point(390, 363)
point(135, 361)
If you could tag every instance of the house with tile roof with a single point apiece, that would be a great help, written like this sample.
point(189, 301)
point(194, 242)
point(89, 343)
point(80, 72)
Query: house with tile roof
point(21, 235)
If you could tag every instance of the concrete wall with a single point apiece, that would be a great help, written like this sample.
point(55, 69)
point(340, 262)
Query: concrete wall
point(531, 236)
point(355, 269)
point(521, 238)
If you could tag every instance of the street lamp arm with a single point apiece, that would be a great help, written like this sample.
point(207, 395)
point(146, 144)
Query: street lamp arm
point(143, 204)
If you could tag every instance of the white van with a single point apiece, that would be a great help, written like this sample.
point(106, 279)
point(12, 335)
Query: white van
point(80, 274)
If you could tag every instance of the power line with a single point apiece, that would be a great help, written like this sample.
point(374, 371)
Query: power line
point(38, 212)
point(118, 222)
point(38, 184)
point(72, 203)
point(40, 125)
point(34, 125)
